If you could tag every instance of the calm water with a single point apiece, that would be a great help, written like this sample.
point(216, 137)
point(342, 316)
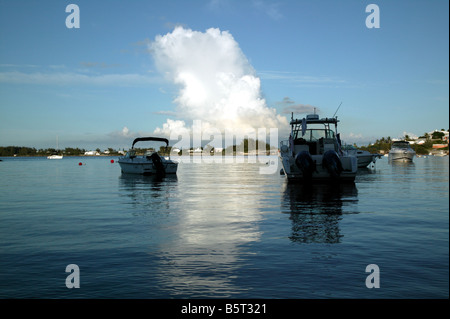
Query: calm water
point(221, 231)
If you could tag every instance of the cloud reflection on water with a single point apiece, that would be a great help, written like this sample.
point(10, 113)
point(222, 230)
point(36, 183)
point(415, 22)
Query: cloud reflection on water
point(208, 221)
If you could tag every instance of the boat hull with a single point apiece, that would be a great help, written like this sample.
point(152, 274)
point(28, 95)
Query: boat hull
point(401, 156)
point(293, 173)
point(55, 157)
point(142, 166)
point(366, 160)
point(364, 157)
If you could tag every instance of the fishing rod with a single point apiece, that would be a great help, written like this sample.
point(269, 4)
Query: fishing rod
point(337, 109)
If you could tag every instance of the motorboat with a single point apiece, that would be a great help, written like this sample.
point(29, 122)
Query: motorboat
point(401, 151)
point(151, 163)
point(55, 156)
point(313, 152)
point(364, 158)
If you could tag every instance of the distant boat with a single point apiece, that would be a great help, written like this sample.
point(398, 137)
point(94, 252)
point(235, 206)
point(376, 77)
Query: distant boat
point(441, 153)
point(401, 151)
point(151, 163)
point(364, 157)
point(55, 156)
point(313, 152)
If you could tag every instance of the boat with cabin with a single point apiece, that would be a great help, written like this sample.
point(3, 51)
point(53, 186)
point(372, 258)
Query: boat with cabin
point(401, 151)
point(150, 163)
point(313, 152)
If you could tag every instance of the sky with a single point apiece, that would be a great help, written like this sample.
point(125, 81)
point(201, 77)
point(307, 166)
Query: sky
point(158, 68)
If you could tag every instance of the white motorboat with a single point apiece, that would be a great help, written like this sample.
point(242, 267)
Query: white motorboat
point(313, 152)
point(401, 151)
point(55, 156)
point(364, 158)
point(151, 163)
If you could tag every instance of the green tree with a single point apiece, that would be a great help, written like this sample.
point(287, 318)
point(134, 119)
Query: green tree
point(437, 135)
point(420, 149)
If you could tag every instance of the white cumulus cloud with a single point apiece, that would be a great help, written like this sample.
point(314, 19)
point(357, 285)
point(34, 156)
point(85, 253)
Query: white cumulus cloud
point(216, 82)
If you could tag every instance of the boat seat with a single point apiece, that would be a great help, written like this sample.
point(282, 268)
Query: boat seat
point(301, 148)
point(327, 144)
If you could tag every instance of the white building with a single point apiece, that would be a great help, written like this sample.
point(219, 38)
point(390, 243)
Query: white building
point(91, 153)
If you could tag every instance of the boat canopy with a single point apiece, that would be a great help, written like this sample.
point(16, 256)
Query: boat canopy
point(310, 120)
point(401, 144)
point(158, 139)
point(302, 125)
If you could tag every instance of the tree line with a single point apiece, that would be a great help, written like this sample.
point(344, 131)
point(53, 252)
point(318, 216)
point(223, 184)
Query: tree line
point(384, 144)
point(31, 151)
point(244, 146)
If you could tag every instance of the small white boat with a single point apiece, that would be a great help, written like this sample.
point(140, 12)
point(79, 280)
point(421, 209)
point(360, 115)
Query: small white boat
point(151, 163)
point(401, 151)
point(313, 152)
point(55, 157)
point(364, 158)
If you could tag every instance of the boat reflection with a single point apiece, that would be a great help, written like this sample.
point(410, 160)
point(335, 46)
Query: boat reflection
point(405, 173)
point(316, 210)
point(403, 165)
point(147, 194)
point(133, 179)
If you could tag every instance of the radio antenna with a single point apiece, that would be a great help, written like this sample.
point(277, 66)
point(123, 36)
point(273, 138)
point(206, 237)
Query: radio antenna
point(337, 109)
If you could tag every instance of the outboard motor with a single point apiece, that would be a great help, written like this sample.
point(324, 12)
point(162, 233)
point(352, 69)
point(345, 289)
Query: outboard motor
point(332, 163)
point(158, 164)
point(305, 163)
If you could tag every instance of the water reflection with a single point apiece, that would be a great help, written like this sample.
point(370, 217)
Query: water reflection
point(147, 194)
point(404, 172)
point(218, 216)
point(135, 179)
point(404, 166)
point(212, 213)
point(435, 172)
point(316, 210)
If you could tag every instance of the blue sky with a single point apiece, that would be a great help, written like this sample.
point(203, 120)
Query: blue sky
point(99, 85)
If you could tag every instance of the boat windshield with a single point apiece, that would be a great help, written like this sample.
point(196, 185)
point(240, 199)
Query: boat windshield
point(400, 144)
point(314, 134)
point(131, 153)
